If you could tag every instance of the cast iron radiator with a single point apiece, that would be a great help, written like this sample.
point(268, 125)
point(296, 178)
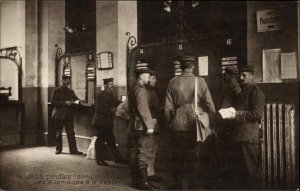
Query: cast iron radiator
point(278, 146)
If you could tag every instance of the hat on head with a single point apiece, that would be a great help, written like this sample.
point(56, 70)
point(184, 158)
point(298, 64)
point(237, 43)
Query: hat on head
point(187, 59)
point(232, 70)
point(64, 77)
point(248, 68)
point(142, 67)
point(105, 81)
point(186, 62)
point(140, 71)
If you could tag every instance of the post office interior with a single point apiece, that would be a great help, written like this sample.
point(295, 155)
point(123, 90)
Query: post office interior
point(91, 40)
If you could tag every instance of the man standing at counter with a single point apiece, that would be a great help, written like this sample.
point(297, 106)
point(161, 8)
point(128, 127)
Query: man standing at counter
point(62, 97)
point(103, 121)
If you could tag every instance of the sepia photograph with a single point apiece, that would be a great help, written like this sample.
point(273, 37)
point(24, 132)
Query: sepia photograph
point(124, 95)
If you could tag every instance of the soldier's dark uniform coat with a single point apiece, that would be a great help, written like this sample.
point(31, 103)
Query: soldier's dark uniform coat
point(224, 142)
point(140, 143)
point(154, 107)
point(103, 110)
point(103, 121)
point(180, 91)
point(58, 99)
point(250, 108)
point(246, 155)
point(63, 116)
point(140, 102)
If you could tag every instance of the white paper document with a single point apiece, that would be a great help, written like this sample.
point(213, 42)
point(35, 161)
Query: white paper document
point(203, 65)
point(227, 113)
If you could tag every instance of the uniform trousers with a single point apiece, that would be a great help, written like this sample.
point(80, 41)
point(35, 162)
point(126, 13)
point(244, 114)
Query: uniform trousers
point(151, 162)
point(140, 153)
point(105, 134)
point(184, 157)
point(247, 173)
point(207, 163)
point(69, 126)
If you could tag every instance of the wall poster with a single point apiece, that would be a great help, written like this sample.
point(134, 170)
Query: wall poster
point(203, 65)
point(271, 65)
point(288, 65)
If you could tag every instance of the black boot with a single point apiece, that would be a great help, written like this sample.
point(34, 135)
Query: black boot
point(143, 184)
point(134, 176)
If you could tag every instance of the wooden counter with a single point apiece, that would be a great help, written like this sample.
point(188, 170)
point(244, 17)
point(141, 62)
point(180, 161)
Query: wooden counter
point(12, 116)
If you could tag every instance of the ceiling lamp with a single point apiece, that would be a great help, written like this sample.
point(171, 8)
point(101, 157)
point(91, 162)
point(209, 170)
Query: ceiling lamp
point(167, 6)
point(195, 4)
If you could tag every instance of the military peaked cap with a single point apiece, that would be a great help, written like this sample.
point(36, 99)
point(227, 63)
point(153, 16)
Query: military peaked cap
point(64, 77)
point(248, 68)
point(142, 71)
point(105, 81)
point(231, 70)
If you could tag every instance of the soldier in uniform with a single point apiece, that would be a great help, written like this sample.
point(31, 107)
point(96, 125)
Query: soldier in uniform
point(249, 111)
point(179, 98)
point(62, 97)
point(106, 105)
point(155, 111)
point(231, 87)
point(142, 128)
point(224, 142)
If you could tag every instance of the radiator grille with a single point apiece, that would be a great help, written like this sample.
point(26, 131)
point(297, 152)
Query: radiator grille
point(278, 146)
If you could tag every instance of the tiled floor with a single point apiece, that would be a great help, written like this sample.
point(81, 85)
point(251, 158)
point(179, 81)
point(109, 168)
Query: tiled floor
point(38, 168)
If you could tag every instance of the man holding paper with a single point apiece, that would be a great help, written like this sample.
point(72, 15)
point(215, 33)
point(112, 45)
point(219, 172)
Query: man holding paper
point(62, 98)
point(247, 114)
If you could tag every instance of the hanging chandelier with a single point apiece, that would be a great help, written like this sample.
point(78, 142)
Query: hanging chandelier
point(168, 4)
point(180, 38)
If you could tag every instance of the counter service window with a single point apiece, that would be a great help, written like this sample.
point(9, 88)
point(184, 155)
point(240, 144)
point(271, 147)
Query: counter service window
point(11, 72)
point(81, 67)
point(78, 77)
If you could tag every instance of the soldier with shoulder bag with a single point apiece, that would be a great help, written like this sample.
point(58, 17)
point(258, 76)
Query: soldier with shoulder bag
point(180, 101)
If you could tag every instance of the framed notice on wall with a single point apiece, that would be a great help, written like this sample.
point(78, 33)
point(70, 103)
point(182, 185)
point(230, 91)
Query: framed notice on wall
point(203, 65)
point(271, 65)
point(105, 60)
point(289, 65)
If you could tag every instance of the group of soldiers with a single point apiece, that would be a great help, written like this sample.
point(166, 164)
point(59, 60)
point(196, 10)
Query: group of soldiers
point(234, 142)
point(233, 145)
